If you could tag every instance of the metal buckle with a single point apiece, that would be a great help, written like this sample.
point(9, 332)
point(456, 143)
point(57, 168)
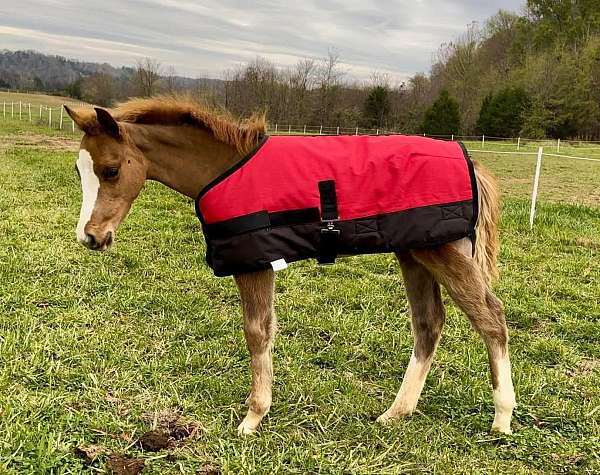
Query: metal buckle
point(330, 229)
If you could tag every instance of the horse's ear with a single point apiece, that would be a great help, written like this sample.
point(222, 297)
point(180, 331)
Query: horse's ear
point(85, 119)
point(108, 123)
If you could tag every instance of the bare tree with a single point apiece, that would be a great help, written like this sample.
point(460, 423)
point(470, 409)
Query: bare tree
point(329, 78)
point(147, 77)
point(98, 89)
point(300, 81)
point(170, 80)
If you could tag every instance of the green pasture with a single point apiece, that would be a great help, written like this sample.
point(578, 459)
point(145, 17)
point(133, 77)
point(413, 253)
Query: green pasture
point(98, 349)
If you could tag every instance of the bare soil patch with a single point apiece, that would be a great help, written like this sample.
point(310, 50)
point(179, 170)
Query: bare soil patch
point(39, 141)
point(121, 465)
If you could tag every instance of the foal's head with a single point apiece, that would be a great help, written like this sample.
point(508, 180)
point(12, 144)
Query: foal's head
point(112, 172)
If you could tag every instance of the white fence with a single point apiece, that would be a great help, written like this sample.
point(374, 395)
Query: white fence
point(52, 117)
point(516, 143)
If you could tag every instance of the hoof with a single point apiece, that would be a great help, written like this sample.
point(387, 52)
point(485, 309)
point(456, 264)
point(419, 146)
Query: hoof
point(501, 429)
point(249, 424)
point(383, 419)
point(244, 430)
point(386, 419)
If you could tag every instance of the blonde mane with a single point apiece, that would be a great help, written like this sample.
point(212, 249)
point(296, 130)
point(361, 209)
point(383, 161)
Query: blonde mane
point(174, 110)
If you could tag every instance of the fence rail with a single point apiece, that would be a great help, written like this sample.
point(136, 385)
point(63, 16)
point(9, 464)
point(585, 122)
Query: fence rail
point(54, 117)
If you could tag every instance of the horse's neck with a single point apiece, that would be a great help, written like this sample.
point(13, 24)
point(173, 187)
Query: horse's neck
point(183, 158)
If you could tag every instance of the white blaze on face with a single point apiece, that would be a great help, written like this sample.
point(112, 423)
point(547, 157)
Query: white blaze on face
point(89, 186)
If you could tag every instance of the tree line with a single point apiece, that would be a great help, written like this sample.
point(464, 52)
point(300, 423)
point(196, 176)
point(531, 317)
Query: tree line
point(535, 74)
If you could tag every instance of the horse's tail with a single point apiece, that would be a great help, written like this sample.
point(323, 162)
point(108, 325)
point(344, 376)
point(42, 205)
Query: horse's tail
point(486, 230)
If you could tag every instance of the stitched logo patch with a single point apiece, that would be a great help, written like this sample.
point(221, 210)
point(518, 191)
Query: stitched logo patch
point(366, 226)
point(452, 212)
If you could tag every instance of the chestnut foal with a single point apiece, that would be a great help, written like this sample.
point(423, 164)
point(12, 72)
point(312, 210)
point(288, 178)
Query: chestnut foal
point(185, 146)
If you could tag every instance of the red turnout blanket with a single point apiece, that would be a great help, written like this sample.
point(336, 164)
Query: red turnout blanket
point(299, 197)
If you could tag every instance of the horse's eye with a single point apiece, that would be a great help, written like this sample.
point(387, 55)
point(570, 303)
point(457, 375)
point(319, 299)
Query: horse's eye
point(110, 173)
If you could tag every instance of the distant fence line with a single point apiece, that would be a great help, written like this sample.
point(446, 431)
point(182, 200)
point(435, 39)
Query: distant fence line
point(516, 142)
point(55, 117)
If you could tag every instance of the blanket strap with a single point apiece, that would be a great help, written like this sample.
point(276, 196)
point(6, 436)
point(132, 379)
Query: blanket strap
point(329, 216)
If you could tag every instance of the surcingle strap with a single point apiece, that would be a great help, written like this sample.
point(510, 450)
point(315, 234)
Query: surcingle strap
point(330, 235)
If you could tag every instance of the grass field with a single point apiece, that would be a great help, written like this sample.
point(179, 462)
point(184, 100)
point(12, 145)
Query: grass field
point(97, 349)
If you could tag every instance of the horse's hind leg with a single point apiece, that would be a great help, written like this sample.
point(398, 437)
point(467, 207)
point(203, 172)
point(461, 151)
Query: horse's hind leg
point(427, 318)
point(256, 291)
point(454, 268)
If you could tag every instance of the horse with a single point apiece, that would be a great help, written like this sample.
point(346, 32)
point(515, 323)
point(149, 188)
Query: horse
point(186, 145)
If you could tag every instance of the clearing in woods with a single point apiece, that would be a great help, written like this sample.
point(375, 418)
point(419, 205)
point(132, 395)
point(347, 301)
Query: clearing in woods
point(96, 350)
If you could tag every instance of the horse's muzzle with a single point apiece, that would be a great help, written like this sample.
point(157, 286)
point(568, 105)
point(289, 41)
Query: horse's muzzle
point(96, 243)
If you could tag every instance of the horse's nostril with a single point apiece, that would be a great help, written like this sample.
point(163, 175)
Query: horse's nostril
point(91, 241)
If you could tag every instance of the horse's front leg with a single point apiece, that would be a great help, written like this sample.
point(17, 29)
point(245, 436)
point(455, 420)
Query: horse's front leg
point(256, 291)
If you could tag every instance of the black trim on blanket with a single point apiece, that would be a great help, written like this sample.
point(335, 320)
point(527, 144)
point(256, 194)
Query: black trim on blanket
point(424, 227)
point(475, 191)
point(263, 140)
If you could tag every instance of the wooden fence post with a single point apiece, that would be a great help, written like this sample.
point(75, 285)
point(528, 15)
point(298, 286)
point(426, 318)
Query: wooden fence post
point(12, 109)
point(20, 109)
point(30, 112)
point(483, 141)
point(3, 108)
point(558, 146)
point(72, 125)
point(518, 144)
point(49, 118)
point(61, 117)
point(40, 112)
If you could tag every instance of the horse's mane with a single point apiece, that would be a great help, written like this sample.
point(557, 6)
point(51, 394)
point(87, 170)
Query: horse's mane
point(182, 110)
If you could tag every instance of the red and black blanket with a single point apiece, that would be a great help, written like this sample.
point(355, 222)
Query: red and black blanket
point(301, 197)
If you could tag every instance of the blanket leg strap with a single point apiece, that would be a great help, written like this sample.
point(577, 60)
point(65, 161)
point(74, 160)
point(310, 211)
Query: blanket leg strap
point(329, 216)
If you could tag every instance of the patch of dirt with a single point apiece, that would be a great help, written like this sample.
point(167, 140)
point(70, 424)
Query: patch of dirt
point(89, 453)
point(209, 469)
point(588, 243)
point(39, 141)
point(584, 367)
point(168, 428)
point(155, 440)
point(587, 365)
point(121, 465)
point(164, 418)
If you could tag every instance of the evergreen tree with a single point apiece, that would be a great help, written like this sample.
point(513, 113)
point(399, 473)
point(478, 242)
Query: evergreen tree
point(502, 115)
point(443, 117)
point(377, 106)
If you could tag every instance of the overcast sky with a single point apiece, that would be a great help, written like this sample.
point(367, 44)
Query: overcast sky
point(201, 38)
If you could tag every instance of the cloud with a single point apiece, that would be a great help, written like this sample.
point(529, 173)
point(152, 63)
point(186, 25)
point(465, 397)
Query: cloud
point(202, 38)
